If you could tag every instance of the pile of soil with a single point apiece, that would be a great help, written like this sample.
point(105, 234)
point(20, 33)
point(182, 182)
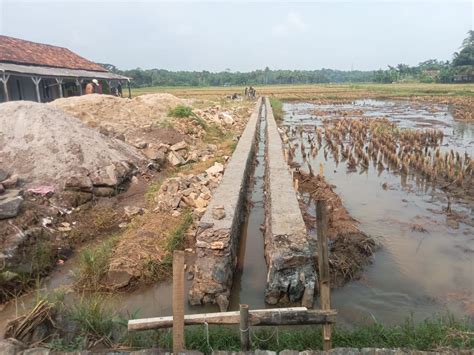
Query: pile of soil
point(349, 248)
point(43, 145)
point(120, 116)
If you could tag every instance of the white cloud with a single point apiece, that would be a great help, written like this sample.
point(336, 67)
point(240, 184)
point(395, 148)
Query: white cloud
point(293, 23)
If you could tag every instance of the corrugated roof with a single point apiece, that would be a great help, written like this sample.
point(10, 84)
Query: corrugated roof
point(19, 51)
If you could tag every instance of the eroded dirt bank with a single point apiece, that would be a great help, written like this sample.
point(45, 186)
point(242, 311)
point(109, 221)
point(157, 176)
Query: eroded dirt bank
point(349, 249)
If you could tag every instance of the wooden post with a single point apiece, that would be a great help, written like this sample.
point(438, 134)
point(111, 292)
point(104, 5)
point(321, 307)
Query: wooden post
point(60, 85)
point(36, 81)
point(129, 90)
point(244, 328)
point(4, 80)
point(323, 261)
point(178, 301)
point(79, 84)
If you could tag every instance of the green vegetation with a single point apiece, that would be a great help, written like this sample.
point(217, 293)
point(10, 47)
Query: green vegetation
point(91, 320)
point(176, 237)
point(181, 111)
point(94, 264)
point(427, 335)
point(277, 107)
point(156, 269)
point(151, 192)
point(460, 68)
point(94, 321)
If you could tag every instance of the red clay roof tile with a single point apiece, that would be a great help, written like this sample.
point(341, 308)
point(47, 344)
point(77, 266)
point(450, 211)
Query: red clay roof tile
point(15, 50)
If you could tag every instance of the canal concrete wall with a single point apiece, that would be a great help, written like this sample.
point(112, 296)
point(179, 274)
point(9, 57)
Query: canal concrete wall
point(218, 233)
point(291, 269)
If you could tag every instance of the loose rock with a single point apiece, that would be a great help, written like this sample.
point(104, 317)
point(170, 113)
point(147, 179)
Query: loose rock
point(10, 203)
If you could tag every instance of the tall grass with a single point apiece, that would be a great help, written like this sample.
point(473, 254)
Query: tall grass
point(176, 237)
point(277, 108)
point(93, 320)
point(94, 264)
point(433, 334)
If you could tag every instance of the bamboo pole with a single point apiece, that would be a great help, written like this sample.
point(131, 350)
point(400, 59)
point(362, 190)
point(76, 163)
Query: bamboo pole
point(244, 328)
point(178, 301)
point(323, 261)
point(273, 316)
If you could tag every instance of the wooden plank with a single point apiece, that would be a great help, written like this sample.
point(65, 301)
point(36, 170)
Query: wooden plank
point(275, 316)
point(323, 261)
point(178, 301)
point(244, 328)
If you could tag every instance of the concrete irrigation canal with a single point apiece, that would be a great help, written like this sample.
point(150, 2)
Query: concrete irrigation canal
point(253, 229)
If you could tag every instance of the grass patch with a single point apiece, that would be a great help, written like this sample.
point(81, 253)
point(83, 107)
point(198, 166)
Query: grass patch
point(180, 111)
point(95, 320)
point(94, 264)
point(428, 335)
point(151, 192)
point(176, 237)
point(277, 108)
point(155, 268)
point(90, 320)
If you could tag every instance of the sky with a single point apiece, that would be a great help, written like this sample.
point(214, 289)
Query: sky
point(245, 35)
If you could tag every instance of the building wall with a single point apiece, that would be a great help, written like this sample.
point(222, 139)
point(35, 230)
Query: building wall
point(23, 88)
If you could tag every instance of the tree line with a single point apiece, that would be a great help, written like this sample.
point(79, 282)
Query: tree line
point(461, 68)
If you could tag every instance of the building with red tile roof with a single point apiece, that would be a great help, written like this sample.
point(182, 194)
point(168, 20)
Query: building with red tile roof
point(42, 72)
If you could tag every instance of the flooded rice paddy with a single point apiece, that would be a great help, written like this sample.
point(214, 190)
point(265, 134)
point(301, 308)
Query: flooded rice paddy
point(419, 273)
point(413, 273)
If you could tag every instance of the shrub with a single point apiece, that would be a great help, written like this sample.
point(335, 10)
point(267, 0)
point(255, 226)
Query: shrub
point(181, 111)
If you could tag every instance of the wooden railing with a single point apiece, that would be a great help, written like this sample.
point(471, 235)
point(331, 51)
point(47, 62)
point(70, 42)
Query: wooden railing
point(247, 317)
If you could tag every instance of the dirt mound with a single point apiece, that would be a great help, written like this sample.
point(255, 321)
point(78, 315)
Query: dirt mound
point(119, 115)
point(45, 145)
point(350, 249)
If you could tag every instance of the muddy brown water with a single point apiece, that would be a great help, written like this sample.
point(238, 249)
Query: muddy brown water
point(250, 279)
point(413, 273)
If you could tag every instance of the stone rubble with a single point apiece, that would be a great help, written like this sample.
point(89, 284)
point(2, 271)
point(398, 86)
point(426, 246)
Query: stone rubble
point(103, 182)
point(11, 198)
point(189, 191)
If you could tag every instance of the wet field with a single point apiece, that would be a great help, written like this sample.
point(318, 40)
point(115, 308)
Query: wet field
point(419, 273)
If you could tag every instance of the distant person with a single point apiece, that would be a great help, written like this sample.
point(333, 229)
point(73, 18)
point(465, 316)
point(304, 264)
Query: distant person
point(89, 88)
point(119, 89)
point(246, 91)
point(98, 86)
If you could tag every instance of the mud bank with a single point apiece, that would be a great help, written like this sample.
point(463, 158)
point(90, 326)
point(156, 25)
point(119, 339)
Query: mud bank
point(291, 270)
point(217, 236)
point(350, 249)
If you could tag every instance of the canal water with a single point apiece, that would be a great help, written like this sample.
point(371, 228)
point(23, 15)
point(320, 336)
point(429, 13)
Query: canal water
point(250, 278)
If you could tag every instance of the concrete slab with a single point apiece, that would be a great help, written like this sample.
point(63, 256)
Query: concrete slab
point(291, 268)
